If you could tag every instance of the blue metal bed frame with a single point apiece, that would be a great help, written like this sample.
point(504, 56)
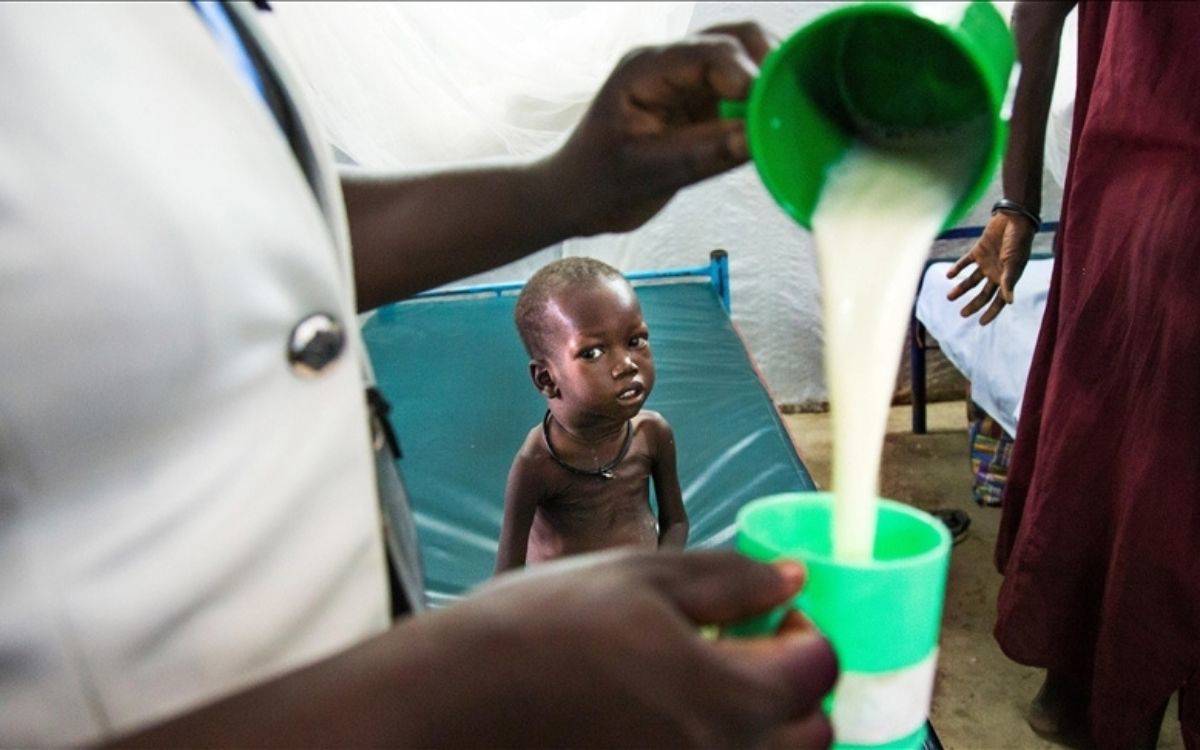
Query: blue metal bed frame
point(918, 341)
point(717, 272)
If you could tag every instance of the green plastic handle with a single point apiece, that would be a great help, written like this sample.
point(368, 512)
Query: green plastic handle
point(731, 110)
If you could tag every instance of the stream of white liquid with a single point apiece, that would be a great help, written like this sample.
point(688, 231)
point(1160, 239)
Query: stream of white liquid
point(878, 215)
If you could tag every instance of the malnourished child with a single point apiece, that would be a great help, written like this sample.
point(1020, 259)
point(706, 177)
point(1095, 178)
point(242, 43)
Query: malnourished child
point(581, 480)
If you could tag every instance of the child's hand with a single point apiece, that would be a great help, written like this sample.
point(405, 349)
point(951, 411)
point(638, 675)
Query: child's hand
point(653, 128)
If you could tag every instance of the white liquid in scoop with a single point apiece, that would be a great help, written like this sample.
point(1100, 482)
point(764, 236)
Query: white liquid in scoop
point(878, 215)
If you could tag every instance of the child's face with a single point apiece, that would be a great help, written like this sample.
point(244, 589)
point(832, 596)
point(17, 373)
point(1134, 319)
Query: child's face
point(600, 353)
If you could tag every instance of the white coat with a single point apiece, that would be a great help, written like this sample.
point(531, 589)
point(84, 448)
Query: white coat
point(182, 513)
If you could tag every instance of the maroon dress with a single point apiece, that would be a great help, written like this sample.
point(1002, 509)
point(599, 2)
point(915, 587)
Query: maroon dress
point(1100, 534)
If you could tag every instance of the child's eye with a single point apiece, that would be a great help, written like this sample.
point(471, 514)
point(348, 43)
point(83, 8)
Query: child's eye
point(637, 342)
point(591, 354)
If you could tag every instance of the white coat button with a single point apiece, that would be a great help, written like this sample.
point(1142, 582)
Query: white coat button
point(316, 341)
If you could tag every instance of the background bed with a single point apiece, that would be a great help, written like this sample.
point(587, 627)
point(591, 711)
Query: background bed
point(453, 368)
point(994, 358)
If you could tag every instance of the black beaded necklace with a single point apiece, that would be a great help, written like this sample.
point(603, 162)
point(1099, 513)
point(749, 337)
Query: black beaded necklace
point(605, 471)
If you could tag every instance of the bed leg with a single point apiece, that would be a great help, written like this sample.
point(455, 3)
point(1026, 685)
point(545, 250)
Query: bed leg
point(719, 272)
point(916, 358)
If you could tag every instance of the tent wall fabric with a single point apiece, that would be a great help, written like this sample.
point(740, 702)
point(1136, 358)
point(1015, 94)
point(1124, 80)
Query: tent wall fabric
point(408, 85)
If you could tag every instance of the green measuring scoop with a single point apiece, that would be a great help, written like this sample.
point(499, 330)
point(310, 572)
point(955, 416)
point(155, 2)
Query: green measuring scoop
point(892, 75)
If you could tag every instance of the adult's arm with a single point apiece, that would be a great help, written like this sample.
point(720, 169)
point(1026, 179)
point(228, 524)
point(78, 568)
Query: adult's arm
point(1003, 250)
point(563, 655)
point(652, 129)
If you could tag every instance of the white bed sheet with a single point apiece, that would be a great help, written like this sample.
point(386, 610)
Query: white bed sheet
point(995, 357)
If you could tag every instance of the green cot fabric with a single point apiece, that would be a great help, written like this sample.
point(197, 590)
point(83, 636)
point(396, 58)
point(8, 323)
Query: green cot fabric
point(462, 402)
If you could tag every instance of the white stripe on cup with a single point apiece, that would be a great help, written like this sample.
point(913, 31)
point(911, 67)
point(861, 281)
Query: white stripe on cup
point(871, 708)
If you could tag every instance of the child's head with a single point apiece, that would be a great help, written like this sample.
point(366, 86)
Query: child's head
point(582, 325)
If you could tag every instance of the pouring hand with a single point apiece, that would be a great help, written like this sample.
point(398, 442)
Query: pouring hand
point(654, 127)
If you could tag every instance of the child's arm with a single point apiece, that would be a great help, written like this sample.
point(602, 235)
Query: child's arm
point(521, 497)
point(672, 518)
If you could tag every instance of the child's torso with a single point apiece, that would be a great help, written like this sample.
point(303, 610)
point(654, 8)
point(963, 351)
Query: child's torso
point(583, 513)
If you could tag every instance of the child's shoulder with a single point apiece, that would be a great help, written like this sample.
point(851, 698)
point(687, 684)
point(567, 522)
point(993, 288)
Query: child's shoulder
point(533, 448)
point(530, 477)
point(649, 416)
point(653, 422)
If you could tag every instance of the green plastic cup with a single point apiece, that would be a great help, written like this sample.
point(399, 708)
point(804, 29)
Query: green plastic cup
point(883, 73)
point(882, 616)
